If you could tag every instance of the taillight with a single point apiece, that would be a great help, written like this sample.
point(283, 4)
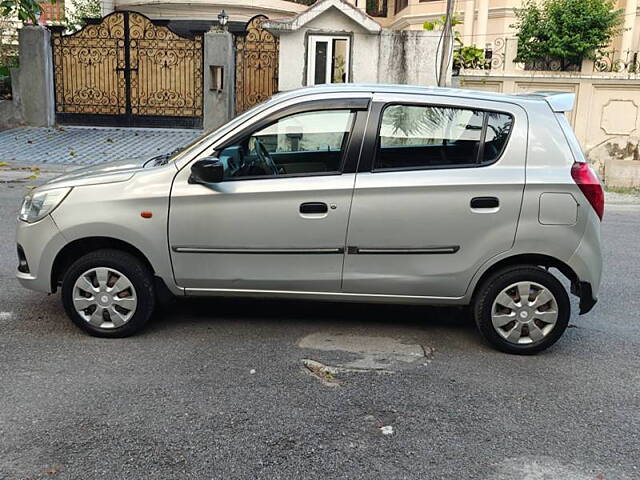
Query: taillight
point(589, 184)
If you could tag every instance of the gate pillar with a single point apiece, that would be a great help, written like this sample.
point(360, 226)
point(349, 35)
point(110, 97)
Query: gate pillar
point(36, 76)
point(219, 78)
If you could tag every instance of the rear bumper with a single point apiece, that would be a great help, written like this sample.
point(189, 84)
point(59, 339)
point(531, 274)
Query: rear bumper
point(40, 243)
point(586, 262)
point(587, 302)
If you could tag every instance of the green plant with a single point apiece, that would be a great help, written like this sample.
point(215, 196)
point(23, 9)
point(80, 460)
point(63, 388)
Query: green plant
point(438, 23)
point(469, 56)
point(25, 10)
point(79, 11)
point(8, 56)
point(565, 30)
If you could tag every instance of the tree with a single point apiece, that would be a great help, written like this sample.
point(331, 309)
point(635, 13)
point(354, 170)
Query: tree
point(25, 10)
point(565, 30)
point(79, 11)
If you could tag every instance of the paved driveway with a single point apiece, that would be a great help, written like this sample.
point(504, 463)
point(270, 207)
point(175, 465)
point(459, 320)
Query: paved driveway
point(218, 389)
point(88, 145)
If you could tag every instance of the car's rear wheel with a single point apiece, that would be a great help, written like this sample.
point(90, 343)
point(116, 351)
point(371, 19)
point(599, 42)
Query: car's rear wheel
point(108, 293)
point(522, 310)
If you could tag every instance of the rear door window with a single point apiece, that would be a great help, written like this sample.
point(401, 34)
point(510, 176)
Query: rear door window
point(419, 137)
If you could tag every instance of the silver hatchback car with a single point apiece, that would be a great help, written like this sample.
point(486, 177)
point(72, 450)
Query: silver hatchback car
point(364, 193)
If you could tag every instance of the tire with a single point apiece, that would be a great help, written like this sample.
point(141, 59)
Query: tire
point(125, 290)
point(540, 332)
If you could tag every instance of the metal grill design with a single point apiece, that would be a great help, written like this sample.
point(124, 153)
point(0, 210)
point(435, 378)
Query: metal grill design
point(126, 70)
point(613, 61)
point(256, 65)
point(88, 66)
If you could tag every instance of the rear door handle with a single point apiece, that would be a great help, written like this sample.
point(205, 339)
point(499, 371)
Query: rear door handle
point(485, 202)
point(314, 207)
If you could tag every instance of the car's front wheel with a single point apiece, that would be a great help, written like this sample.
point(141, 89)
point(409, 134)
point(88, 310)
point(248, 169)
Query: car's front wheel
point(522, 310)
point(108, 293)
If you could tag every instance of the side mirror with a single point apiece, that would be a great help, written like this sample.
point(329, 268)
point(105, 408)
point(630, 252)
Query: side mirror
point(207, 170)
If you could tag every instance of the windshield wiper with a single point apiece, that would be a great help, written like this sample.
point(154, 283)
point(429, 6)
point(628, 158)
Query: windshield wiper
point(163, 159)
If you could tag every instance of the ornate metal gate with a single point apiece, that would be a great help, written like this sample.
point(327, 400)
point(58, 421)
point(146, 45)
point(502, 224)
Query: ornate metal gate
point(256, 65)
point(125, 70)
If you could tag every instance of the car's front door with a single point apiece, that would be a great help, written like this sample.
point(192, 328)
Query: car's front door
point(278, 220)
point(438, 193)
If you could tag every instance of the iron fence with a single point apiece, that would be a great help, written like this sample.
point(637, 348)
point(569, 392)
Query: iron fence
point(614, 61)
point(553, 64)
point(470, 57)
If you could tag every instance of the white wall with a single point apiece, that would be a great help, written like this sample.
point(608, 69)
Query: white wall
point(606, 117)
point(293, 49)
point(408, 57)
point(238, 10)
point(386, 57)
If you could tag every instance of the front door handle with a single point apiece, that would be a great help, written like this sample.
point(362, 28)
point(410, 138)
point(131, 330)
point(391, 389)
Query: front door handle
point(314, 207)
point(485, 202)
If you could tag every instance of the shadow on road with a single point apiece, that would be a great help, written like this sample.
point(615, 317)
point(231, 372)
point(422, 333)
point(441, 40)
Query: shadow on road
point(283, 312)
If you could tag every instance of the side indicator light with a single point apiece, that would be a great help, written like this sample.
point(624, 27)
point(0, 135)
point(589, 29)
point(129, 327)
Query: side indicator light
point(146, 214)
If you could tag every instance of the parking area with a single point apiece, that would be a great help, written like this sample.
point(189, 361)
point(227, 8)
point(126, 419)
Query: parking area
point(275, 389)
point(88, 145)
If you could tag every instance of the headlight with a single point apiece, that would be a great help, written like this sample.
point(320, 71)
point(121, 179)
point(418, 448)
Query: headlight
point(36, 205)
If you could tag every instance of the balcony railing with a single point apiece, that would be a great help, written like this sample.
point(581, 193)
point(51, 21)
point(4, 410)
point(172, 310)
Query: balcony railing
point(492, 58)
point(614, 61)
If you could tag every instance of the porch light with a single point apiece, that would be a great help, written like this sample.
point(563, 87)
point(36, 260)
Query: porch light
point(223, 18)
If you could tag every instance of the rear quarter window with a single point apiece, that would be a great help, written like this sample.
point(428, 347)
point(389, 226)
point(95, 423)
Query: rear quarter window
point(421, 137)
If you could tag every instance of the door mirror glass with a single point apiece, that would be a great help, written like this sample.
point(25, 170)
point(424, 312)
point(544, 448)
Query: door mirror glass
point(207, 170)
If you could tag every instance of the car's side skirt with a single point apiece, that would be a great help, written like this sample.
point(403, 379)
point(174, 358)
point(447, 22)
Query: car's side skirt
point(326, 296)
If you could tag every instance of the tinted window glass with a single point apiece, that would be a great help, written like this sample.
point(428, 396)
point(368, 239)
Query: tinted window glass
point(498, 129)
point(310, 142)
point(421, 137)
point(321, 63)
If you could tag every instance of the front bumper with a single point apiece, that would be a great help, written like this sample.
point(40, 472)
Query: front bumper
point(40, 242)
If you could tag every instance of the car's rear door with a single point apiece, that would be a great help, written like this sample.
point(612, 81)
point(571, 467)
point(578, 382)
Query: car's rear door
point(278, 221)
point(438, 193)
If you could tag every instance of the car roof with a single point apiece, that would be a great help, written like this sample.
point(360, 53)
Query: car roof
point(558, 101)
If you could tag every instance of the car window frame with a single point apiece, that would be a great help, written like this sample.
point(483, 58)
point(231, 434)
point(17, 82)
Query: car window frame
point(359, 106)
point(381, 107)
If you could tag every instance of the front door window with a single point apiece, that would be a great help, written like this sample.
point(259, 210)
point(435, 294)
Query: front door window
point(328, 60)
point(308, 143)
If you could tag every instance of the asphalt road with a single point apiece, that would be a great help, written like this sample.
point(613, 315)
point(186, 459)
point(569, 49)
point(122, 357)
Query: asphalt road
point(217, 389)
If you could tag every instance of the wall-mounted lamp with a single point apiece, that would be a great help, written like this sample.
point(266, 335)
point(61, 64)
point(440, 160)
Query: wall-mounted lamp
point(223, 18)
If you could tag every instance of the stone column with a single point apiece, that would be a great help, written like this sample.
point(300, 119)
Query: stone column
point(467, 26)
point(481, 26)
point(36, 76)
point(629, 22)
point(218, 102)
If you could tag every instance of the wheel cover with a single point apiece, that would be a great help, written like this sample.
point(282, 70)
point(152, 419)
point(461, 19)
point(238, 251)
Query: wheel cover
point(104, 297)
point(524, 313)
